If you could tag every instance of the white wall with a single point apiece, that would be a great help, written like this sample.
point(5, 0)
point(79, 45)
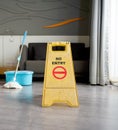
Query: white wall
point(10, 50)
point(84, 39)
point(1, 53)
point(9, 45)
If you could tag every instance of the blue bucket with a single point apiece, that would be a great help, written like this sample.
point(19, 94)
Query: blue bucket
point(23, 77)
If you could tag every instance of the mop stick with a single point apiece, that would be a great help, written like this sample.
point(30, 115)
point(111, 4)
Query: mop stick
point(20, 53)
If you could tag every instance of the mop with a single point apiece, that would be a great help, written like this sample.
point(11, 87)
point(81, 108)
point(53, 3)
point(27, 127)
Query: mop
point(13, 84)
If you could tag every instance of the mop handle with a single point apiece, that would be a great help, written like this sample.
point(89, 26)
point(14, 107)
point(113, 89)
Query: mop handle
point(19, 57)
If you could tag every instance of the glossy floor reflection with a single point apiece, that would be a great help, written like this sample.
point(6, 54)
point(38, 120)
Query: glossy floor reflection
point(21, 110)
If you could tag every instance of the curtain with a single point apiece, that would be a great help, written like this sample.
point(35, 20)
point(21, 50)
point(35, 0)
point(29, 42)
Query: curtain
point(113, 46)
point(99, 69)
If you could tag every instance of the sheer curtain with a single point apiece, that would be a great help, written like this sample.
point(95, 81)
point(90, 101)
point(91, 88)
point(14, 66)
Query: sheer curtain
point(113, 42)
point(99, 72)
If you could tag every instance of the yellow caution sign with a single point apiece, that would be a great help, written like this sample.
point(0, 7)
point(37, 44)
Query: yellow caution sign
point(59, 80)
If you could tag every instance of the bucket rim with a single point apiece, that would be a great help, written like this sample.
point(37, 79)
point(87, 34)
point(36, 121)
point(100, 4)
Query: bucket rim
point(19, 72)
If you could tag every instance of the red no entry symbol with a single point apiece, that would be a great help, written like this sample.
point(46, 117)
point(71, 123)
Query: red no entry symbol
point(59, 72)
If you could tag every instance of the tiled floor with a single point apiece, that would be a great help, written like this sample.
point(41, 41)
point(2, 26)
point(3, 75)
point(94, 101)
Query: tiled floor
point(21, 109)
